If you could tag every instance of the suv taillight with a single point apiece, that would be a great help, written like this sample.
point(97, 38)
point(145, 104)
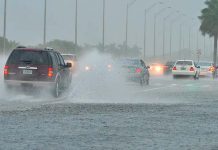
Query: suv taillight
point(50, 72)
point(192, 69)
point(174, 68)
point(6, 72)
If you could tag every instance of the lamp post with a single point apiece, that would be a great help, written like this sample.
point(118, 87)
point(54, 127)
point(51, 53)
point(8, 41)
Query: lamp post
point(4, 32)
point(76, 15)
point(164, 29)
point(155, 19)
point(180, 37)
point(171, 30)
point(145, 26)
point(127, 16)
point(103, 32)
point(45, 15)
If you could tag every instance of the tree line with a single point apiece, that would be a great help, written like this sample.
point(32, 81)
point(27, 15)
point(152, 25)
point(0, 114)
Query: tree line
point(63, 46)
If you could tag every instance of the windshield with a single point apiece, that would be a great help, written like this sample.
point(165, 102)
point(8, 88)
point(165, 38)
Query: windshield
point(184, 63)
point(28, 57)
point(130, 62)
point(205, 64)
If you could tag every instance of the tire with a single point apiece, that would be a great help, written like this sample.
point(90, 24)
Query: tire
point(56, 90)
point(142, 80)
point(174, 76)
point(196, 77)
point(147, 80)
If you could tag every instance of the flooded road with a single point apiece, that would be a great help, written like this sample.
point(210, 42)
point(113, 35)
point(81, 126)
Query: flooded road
point(169, 114)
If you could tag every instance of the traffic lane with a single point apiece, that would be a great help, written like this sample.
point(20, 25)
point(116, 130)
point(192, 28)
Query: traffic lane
point(182, 90)
point(162, 89)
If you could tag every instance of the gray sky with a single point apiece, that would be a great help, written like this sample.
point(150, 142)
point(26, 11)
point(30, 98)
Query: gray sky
point(25, 20)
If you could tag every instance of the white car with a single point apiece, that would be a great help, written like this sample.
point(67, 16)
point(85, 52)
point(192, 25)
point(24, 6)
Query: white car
point(186, 68)
point(206, 68)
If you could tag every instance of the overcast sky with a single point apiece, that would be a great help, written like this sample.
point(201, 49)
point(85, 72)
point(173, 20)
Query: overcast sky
point(25, 20)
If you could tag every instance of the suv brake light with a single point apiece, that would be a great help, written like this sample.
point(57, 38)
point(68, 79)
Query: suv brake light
point(6, 72)
point(50, 72)
point(192, 69)
point(174, 68)
point(138, 70)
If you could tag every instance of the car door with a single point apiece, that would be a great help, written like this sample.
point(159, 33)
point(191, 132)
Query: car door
point(143, 67)
point(60, 69)
point(65, 71)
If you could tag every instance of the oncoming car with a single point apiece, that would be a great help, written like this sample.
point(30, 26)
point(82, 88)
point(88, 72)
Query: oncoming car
point(186, 68)
point(136, 70)
point(156, 69)
point(43, 68)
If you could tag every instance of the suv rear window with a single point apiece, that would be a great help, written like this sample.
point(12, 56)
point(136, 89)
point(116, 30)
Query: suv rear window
point(28, 57)
point(184, 63)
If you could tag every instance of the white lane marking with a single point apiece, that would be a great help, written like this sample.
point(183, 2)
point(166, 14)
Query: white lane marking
point(158, 88)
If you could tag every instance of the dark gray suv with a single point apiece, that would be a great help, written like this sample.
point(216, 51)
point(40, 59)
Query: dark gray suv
point(39, 68)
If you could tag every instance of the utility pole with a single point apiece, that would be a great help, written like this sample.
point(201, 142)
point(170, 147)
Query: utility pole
point(145, 26)
point(103, 32)
point(76, 14)
point(127, 16)
point(155, 21)
point(4, 34)
point(45, 15)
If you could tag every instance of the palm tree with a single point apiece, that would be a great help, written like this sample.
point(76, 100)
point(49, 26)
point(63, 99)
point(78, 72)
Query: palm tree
point(209, 24)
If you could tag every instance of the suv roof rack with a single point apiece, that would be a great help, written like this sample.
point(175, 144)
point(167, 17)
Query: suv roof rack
point(49, 48)
point(21, 46)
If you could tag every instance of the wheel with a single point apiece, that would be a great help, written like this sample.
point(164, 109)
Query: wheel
point(56, 91)
point(147, 80)
point(142, 80)
point(196, 76)
point(174, 76)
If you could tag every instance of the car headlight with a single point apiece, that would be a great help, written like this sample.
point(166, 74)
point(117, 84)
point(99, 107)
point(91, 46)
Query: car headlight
point(158, 68)
point(87, 68)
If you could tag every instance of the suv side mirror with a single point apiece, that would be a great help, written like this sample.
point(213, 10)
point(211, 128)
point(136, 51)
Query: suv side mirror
point(198, 67)
point(68, 65)
point(148, 67)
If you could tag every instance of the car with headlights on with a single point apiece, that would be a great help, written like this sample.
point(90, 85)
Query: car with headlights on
point(42, 68)
point(136, 70)
point(186, 68)
point(156, 69)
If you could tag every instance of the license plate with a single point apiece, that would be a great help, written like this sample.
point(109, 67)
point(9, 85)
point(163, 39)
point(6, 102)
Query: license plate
point(27, 72)
point(183, 68)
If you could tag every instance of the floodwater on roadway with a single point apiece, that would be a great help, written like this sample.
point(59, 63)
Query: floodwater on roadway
point(103, 111)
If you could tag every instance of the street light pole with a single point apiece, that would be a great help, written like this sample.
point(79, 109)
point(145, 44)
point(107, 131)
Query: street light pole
point(45, 15)
point(76, 14)
point(145, 26)
point(4, 34)
point(103, 32)
point(171, 30)
point(155, 19)
point(127, 16)
point(164, 30)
